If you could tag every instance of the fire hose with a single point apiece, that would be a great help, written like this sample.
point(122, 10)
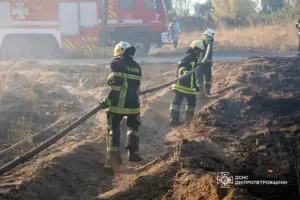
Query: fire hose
point(25, 157)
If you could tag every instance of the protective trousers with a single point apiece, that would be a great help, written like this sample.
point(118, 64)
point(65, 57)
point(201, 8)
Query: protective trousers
point(132, 140)
point(175, 43)
point(175, 37)
point(176, 103)
point(204, 72)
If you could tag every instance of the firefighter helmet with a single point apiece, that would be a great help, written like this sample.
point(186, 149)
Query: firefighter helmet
point(123, 49)
point(210, 32)
point(197, 44)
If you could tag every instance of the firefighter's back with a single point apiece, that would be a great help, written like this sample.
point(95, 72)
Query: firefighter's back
point(125, 100)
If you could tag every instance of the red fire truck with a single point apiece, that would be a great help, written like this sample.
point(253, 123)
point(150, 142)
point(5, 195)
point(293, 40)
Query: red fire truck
point(41, 28)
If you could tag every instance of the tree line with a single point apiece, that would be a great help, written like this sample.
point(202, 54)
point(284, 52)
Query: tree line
point(235, 11)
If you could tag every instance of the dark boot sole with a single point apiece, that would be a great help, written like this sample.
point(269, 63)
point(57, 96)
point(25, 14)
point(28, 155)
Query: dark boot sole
point(132, 160)
point(180, 123)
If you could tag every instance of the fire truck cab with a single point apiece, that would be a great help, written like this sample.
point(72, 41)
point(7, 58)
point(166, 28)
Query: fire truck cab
point(39, 28)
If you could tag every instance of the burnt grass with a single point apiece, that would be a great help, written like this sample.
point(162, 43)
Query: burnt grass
point(258, 123)
point(249, 128)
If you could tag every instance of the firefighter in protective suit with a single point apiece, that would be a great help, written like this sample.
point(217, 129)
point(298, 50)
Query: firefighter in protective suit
point(298, 27)
point(186, 88)
point(123, 101)
point(205, 71)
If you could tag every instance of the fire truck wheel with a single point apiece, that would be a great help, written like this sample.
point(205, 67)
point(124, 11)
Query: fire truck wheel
point(142, 46)
point(15, 48)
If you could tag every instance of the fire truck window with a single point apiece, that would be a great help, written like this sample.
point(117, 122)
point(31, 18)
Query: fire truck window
point(69, 18)
point(127, 5)
point(150, 4)
point(88, 14)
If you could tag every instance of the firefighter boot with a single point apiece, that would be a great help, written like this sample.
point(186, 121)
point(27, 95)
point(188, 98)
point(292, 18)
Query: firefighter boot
point(207, 89)
point(133, 156)
point(132, 145)
point(201, 93)
point(174, 118)
point(189, 116)
point(113, 161)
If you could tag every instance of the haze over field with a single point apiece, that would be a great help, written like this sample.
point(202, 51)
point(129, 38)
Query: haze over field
point(54, 70)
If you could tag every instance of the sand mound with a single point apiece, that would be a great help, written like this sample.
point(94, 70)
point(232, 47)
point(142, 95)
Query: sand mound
point(257, 122)
point(62, 174)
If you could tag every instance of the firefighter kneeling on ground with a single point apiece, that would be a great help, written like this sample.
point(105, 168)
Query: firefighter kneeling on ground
point(123, 100)
point(205, 71)
point(298, 27)
point(186, 88)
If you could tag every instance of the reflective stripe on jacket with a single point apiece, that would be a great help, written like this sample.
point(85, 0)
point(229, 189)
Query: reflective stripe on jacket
point(188, 84)
point(125, 80)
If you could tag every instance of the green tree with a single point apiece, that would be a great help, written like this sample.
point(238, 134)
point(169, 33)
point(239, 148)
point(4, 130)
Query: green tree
point(289, 11)
point(222, 9)
point(242, 8)
point(233, 9)
point(168, 5)
point(271, 5)
point(182, 7)
point(203, 9)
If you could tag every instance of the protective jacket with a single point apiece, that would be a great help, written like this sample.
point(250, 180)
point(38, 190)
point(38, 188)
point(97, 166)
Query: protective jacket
point(206, 40)
point(188, 84)
point(125, 81)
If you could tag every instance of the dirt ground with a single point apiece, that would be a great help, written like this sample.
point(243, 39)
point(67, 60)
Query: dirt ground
point(33, 97)
point(249, 127)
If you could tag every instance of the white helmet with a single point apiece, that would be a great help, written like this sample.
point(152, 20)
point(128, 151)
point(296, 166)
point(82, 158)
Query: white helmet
point(197, 44)
point(210, 32)
point(122, 47)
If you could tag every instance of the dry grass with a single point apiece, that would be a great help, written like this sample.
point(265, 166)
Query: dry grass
point(20, 130)
point(280, 37)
